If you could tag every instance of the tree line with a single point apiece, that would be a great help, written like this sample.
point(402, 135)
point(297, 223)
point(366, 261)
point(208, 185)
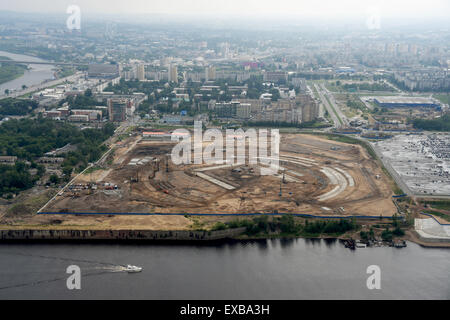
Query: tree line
point(29, 139)
point(440, 124)
point(16, 107)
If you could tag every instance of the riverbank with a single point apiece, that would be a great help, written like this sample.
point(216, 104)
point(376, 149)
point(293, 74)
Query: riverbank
point(117, 235)
point(124, 236)
point(33, 76)
point(410, 235)
point(10, 71)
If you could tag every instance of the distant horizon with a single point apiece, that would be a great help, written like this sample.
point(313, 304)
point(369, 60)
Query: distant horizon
point(255, 21)
point(323, 9)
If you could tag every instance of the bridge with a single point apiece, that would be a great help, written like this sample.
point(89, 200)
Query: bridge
point(50, 63)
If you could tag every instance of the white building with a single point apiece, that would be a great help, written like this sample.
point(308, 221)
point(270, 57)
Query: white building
point(173, 73)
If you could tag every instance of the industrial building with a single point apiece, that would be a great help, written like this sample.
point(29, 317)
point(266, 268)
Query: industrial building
point(398, 102)
point(156, 135)
point(103, 71)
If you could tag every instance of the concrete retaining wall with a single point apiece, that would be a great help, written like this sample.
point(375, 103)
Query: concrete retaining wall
point(118, 234)
point(431, 240)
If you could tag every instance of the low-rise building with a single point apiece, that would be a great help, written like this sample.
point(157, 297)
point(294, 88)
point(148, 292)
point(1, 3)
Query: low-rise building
point(9, 160)
point(93, 115)
point(78, 118)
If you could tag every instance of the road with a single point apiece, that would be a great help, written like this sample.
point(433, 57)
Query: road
point(328, 101)
point(330, 111)
point(366, 103)
point(393, 87)
point(334, 104)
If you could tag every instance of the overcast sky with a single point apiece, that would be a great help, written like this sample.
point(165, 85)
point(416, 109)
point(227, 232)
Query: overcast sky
point(403, 9)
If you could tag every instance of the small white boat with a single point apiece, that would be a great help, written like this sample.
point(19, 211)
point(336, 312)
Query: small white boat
point(360, 244)
point(132, 269)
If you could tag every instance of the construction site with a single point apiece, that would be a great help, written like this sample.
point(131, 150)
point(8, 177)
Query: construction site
point(314, 176)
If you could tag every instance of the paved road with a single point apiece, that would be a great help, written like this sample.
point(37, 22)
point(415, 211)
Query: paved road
point(338, 117)
point(367, 104)
point(328, 107)
point(336, 107)
point(393, 87)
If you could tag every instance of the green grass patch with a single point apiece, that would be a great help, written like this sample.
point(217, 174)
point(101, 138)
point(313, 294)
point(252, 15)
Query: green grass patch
point(92, 169)
point(444, 216)
point(438, 204)
point(444, 98)
point(30, 205)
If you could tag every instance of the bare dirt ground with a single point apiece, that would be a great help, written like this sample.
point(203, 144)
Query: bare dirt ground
point(148, 182)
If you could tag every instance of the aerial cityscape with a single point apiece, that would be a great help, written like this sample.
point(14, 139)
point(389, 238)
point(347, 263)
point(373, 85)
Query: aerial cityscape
point(173, 130)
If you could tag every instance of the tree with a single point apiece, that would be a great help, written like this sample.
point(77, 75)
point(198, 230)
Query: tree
point(275, 94)
point(386, 235)
point(53, 179)
point(7, 91)
point(287, 224)
point(15, 178)
point(398, 232)
point(16, 107)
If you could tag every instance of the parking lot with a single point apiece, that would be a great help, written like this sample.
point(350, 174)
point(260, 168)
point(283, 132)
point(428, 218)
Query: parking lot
point(422, 161)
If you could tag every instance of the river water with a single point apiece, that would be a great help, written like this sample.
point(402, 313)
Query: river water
point(38, 73)
point(268, 269)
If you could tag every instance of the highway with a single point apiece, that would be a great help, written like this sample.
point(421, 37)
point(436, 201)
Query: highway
point(334, 104)
point(328, 107)
point(328, 101)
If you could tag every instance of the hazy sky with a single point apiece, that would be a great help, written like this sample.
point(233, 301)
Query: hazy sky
point(324, 8)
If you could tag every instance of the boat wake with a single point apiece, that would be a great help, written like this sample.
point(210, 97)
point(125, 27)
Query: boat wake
point(87, 271)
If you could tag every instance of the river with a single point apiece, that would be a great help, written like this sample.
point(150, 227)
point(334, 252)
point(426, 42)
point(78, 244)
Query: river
point(36, 75)
point(268, 269)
